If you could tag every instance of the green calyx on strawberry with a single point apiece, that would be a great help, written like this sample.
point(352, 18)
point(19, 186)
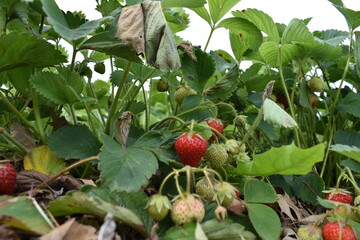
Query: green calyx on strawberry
point(233, 147)
point(309, 232)
point(162, 86)
point(7, 178)
point(339, 195)
point(217, 127)
point(182, 92)
point(240, 120)
point(216, 155)
point(99, 67)
point(225, 193)
point(205, 189)
point(158, 206)
point(338, 230)
point(316, 84)
point(190, 148)
point(187, 208)
point(313, 99)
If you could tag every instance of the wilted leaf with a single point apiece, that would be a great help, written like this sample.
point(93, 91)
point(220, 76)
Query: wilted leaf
point(79, 202)
point(20, 212)
point(74, 142)
point(160, 45)
point(122, 127)
point(276, 115)
point(71, 230)
point(131, 27)
point(43, 160)
point(23, 135)
point(285, 160)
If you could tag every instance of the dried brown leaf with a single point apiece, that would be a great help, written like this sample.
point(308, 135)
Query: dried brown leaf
point(122, 127)
point(130, 28)
point(187, 47)
point(288, 207)
point(28, 179)
point(71, 230)
point(23, 135)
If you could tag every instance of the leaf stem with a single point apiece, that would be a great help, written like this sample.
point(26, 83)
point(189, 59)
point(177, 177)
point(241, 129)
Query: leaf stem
point(37, 116)
point(73, 114)
point(72, 65)
point(210, 35)
point(253, 127)
point(116, 98)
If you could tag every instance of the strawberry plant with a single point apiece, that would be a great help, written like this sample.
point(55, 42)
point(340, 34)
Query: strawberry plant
point(119, 126)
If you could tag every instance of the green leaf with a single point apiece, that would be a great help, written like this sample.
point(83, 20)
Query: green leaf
point(64, 26)
point(160, 45)
point(203, 13)
point(185, 232)
point(21, 213)
point(78, 202)
point(350, 104)
point(261, 20)
point(225, 230)
point(197, 108)
point(296, 31)
point(74, 142)
point(346, 150)
point(248, 32)
point(256, 191)
point(303, 184)
point(225, 85)
point(197, 72)
point(140, 71)
point(285, 160)
point(352, 17)
point(332, 37)
point(19, 78)
point(276, 55)
point(102, 42)
point(347, 137)
point(238, 47)
point(64, 87)
point(25, 50)
point(318, 51)
point(265, 221)
point(218, 8)
point(182, 3)
point(125, 169)
point(353, 165)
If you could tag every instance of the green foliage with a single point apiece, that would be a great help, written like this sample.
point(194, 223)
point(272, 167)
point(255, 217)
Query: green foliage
point(256, 191)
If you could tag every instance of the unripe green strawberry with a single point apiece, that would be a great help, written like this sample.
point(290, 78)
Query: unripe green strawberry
point(233, 147)
point(216, 155)
point(162, 86)
point(183, 92)
point(316, 84)
point(187, 209)
point(204, 189)
point(99, 67)
point(158, 206)
point(309, 232)
point(225, 193)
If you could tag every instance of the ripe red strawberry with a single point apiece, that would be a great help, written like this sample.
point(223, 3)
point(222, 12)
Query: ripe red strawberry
point(187, 209)
point(316, 84)
point(216, 124)
point(339, 195)
point(331, 231)
point(7, 178)
point(191, 147)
